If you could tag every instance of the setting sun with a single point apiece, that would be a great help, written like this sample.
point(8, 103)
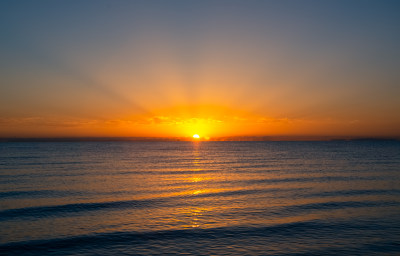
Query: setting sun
point(196, 136)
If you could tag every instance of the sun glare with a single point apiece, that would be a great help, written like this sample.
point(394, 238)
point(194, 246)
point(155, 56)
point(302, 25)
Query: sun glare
point(196, 136)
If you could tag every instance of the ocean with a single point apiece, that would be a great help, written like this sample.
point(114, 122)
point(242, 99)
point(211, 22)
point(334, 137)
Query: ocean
point(200, 198)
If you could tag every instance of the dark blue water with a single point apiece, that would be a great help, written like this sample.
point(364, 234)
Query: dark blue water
point(205, 198)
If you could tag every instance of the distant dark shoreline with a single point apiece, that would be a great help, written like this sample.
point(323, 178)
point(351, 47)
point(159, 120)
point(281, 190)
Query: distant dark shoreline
point(161, 139)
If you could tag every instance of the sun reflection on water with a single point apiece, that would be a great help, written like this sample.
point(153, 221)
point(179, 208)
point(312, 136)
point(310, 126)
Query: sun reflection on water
point(195, 210)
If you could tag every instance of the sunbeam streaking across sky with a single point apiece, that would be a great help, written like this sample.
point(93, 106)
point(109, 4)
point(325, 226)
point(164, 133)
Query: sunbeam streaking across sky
point(216, 69)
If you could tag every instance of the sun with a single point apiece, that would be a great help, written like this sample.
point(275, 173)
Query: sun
point(196, 136)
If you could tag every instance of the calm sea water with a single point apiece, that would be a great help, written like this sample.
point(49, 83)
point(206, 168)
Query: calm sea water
point(207, 198)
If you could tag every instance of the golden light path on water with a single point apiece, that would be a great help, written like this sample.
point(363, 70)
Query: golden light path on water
point(224, 190)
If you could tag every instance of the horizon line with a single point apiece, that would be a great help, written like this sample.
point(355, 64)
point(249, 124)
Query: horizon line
point(224, 138)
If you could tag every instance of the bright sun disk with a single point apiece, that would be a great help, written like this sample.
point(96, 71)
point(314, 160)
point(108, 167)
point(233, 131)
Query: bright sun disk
point(196, 136)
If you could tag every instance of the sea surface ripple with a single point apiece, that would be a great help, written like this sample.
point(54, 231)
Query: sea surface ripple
point(200, 198)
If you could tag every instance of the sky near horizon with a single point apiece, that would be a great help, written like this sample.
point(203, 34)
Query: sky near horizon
point(213, 68)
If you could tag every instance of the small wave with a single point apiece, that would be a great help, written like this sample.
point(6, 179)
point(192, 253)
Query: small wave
point(340, 205)
point(62, 210)
point(289, 229)
point(358, 192)
point(30, 193)
point(248, 192)
point(315, 179)
point(186, 237)
point(46, 211)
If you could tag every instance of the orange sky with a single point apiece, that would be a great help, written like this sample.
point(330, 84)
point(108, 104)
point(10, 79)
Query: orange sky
point(163, 69)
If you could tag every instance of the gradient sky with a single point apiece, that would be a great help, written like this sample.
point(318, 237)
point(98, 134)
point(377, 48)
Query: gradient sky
point(216, 68)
